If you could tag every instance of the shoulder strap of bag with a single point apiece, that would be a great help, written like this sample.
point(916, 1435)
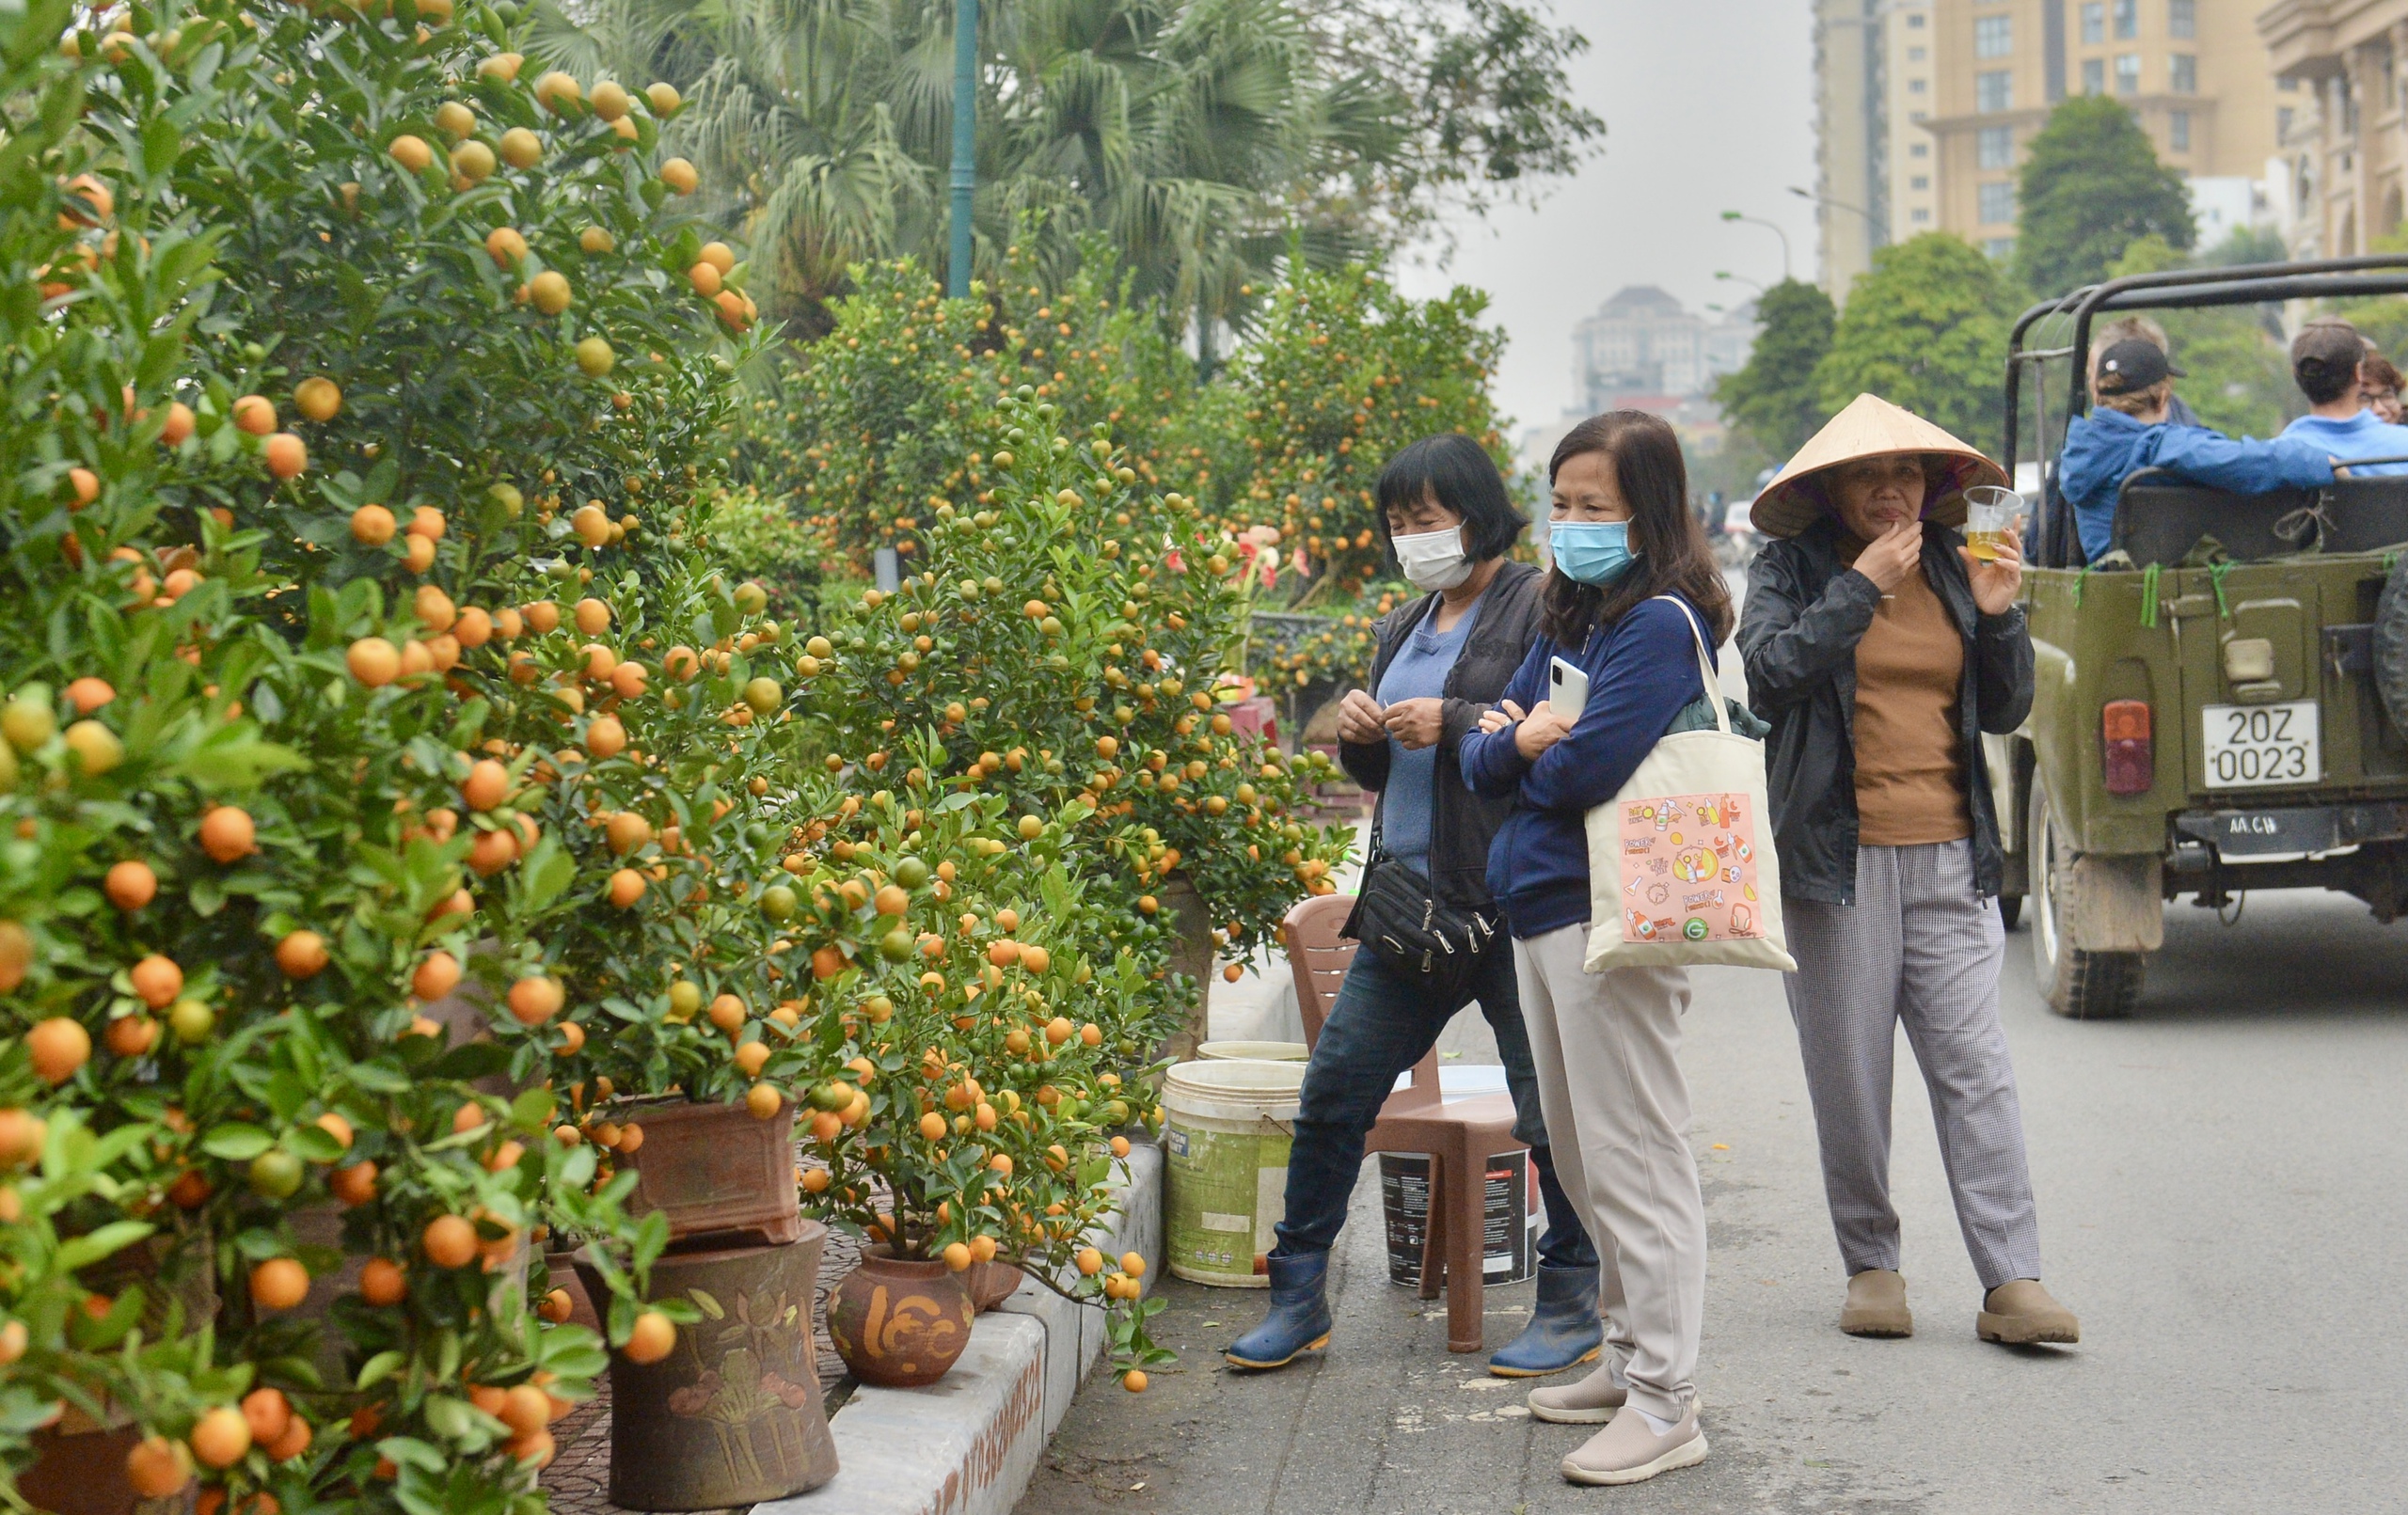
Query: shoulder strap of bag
point(1704, 663)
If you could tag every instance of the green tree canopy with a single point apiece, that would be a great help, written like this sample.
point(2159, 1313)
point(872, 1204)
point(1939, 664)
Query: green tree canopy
point(1776, 402)
point(1927, 329)
point(2091, 186)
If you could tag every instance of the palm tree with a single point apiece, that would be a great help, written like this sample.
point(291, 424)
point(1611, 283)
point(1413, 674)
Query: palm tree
point(1201, 135)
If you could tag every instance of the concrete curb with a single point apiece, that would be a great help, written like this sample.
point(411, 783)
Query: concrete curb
point(969, 1443)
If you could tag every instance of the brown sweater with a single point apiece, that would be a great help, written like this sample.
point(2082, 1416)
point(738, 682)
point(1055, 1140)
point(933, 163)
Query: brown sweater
point(1909, 775)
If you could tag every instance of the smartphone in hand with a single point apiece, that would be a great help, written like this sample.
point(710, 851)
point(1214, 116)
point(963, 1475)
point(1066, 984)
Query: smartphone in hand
point(1567, 689)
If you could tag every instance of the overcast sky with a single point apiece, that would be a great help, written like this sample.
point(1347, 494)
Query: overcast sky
point(1708, 106)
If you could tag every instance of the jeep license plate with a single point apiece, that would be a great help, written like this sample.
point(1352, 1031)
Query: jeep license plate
point(2258, 746)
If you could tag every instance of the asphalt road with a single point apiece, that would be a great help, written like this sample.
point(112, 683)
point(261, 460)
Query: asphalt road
point(2221, 1197)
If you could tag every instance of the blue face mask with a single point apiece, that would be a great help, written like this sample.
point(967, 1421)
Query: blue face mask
point(1590, 552)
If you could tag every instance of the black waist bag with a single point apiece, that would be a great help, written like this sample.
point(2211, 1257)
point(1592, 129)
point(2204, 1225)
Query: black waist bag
point(1400, 921)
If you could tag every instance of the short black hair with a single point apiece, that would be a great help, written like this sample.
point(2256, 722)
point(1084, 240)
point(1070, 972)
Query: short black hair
point(2325, 358)
point(1458, 473)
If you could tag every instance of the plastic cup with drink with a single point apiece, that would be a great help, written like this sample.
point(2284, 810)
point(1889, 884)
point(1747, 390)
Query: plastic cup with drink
point(1989, 512)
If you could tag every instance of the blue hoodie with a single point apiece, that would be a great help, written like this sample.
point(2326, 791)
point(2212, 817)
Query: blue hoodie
point(1642, 671)
point(2107, 447)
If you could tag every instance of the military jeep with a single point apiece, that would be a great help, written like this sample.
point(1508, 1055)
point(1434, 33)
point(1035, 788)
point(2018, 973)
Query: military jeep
point(2227, 713)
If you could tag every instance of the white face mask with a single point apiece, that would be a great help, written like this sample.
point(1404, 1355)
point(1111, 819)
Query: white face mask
point(1433, 560)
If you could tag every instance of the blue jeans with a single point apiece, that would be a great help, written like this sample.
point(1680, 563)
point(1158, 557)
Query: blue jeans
point(1383, 1023)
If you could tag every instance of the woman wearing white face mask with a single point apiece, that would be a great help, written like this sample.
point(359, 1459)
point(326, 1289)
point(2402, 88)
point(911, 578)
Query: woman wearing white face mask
point(1442, 661)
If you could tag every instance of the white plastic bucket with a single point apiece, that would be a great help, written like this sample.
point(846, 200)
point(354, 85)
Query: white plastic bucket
point(1226, 1126)
point(1253, 1051)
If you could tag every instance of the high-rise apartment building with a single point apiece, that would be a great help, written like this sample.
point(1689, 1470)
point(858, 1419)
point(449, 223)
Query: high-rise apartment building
point(1925, 107)
point(1876, 177)
point(2345, 146)
point(2195, 73)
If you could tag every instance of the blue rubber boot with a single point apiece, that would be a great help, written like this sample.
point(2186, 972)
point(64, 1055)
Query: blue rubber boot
point(1299, 1317)
point(1563, 1332)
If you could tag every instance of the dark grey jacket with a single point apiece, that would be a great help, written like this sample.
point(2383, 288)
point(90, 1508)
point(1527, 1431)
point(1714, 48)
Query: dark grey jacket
point(1462, 824)
point(1806, 611)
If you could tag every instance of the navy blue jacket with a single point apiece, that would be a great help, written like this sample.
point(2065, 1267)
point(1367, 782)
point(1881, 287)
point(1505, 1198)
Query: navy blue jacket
point(1641, 671)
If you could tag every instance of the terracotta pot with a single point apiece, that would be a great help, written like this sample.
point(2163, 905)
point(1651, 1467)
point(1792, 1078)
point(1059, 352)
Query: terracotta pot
point(79, 1464)
point(733, 1417)
point(1193, 955)
point(82, 1472)
point(897, 1324)
point(990, 1284)
point(722, 1177)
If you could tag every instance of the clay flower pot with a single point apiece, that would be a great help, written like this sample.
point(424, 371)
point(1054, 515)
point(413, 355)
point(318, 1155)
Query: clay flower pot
point(899, 1324)
point(733, 1417)
point(716, 1171)
point(990, 1284)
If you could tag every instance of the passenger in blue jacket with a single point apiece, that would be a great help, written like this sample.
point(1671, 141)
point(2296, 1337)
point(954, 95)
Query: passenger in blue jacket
point(1633, 591)
point(2128, 429)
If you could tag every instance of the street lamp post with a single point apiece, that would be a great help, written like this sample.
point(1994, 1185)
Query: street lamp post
point(965, 144)
point(1774, 227)
point(1737, 280)
point(1826, 200)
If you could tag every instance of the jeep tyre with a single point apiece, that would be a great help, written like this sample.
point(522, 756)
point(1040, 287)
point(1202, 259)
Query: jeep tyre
point(2391, 647)
point(2077, 984)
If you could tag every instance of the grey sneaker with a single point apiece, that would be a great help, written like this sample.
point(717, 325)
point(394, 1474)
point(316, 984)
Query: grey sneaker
point(1591, 1401)
point(1629, 1451)
point(1877, 1305)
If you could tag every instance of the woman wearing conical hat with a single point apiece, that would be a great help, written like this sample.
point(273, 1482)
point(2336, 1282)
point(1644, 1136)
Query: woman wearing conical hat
point(1881, 651)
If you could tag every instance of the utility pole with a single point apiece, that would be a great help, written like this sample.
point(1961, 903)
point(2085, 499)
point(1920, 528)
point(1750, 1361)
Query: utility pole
point(965, 144)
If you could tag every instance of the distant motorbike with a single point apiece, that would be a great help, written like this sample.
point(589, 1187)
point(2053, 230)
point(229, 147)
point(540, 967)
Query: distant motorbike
point(1738, 542)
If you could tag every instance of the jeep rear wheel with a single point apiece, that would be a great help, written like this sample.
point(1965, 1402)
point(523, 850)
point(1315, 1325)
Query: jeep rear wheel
point(2078, 985)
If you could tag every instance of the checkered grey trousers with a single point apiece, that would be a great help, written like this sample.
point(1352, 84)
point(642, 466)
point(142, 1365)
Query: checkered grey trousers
point(1919, 946)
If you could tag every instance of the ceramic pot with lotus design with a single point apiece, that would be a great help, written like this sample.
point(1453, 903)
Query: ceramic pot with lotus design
point(733, 1417)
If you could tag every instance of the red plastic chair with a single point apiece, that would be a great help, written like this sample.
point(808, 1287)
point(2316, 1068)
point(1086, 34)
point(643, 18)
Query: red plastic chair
point(1458, 1135)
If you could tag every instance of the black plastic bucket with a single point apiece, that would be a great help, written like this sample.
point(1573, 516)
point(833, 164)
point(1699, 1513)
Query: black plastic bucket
point(1511, 1215)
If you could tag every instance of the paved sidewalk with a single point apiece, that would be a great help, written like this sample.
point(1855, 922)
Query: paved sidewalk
point(2219, 1190)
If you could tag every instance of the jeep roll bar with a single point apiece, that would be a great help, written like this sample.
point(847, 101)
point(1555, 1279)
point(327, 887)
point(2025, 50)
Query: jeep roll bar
point(2183, 289)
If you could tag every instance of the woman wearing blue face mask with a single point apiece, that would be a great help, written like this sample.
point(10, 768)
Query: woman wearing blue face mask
point(1633, 587)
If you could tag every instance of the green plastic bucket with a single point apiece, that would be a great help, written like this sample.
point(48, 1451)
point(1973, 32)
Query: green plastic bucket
point(1253, 1051)
point(1226, 1125)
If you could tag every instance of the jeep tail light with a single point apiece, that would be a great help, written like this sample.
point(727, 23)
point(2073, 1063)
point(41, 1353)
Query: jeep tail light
point(2132, 755)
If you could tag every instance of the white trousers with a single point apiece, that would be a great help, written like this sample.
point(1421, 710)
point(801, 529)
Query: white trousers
point(1617, 1110)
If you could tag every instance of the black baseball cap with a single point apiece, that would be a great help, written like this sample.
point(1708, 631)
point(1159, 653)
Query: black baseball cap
point(2134, 364)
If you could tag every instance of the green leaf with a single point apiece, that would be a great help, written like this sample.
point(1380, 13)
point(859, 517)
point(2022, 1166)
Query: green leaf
point(314, 1144)
point(83, 1251)
point(235, 1142)
point(533, 1106)
point(709, 1305)
point(378, 1368)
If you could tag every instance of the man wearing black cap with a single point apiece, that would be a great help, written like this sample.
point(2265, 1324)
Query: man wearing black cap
point(2327, 362)
point(2128, 431)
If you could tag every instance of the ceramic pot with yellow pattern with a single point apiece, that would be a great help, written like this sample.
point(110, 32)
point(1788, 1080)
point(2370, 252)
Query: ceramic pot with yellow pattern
point(900, 1324)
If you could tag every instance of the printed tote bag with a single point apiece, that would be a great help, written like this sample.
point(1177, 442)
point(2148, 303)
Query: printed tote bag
point(1681, 864)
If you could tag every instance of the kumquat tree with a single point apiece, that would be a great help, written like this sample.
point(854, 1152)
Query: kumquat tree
point(409, 785)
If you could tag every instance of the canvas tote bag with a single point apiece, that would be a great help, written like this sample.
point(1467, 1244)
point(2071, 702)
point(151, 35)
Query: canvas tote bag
point(1681, 864)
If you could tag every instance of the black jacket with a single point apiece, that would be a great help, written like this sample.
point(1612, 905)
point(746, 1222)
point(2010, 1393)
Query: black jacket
point(1462, 824)
point(1806, 611)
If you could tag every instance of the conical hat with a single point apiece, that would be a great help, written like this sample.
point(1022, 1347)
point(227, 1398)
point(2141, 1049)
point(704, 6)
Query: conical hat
point(1870, 427)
